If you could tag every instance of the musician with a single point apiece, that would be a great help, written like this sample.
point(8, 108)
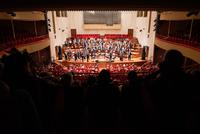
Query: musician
point(110, 47)
point(66, 42)
point(94, 53)
point(75, 56)
point(78, 41)
point(66, 55)
point(110, 55)
point(79, 54)
point(82, 56)
point(74, 41)
point(69, 53)
point(70, 42)
point(88, 56)
point(84, 45)
point(129, 54)
point(121, 56)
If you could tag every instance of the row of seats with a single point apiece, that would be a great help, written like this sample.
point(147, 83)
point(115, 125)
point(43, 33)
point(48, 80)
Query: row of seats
point(118, 71)
point(87, 36)
point(7, 36)
point(15, 42)
point(193, 42)
point(111, 36)
point(108, 36)
point(183, 41)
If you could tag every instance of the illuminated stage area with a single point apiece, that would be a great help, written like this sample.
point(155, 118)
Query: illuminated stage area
point(119, 41)
point(101, 52)
point(92, 53)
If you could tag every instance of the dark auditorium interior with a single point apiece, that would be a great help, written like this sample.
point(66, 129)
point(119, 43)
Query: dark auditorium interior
point(99, 67)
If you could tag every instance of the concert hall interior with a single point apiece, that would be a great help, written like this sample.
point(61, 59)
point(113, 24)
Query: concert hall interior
point(97, 68)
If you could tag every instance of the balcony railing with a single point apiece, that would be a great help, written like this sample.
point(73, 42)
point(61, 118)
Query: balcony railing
point(185, 42)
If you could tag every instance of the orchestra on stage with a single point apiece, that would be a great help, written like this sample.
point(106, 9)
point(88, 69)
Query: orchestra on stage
point(99, 49)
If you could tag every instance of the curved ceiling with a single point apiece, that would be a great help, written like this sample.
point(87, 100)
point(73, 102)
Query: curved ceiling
point(28, 5)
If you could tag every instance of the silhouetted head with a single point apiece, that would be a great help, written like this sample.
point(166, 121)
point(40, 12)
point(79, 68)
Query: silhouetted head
point(67, 79)
point(1, 69)
point(91, 80)
point(104, 76)
point(12, 50)
point(45, 75)
point(4, 90)
point(173, 60)
point(15, 67)
point(195, 74)
point(132, 76)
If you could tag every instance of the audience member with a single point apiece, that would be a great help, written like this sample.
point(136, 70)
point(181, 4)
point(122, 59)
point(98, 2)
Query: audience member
point(169, 93)
point(102, 100)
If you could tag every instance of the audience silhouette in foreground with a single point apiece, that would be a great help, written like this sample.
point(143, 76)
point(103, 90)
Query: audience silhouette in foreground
point(165, 101)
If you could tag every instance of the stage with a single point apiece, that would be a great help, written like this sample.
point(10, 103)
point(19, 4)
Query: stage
point(102, 54)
